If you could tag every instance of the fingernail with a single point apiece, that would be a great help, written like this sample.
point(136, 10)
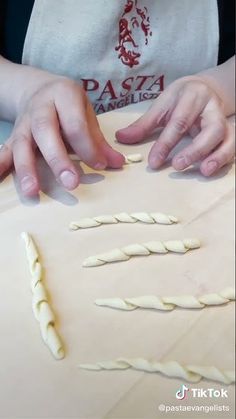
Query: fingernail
point(153, 162)
point(100, 165)
point(180, 163)
point(27, 183)
point(211, 166)
point(68, 179)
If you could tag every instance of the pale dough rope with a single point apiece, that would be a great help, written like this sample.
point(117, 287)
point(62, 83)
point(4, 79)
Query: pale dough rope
point(169, 303)
point(129, 158)
point(41, 307)
point(133, 158)
point(145, 249)
point(191, 373)
point(124, 217)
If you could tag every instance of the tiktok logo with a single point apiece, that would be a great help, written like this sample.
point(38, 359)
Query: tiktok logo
point(181, 394)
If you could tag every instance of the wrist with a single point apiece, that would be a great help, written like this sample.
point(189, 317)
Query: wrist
point(221, 79)
point(32, 80)
point(18, 84)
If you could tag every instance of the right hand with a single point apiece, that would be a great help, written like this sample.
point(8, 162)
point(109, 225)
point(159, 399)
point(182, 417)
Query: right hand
point(57, 114)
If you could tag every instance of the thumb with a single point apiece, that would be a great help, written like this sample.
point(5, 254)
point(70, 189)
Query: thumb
point(135, 132)
point(156, 116)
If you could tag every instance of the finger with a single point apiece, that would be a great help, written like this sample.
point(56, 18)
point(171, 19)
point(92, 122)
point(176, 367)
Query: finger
point(195, 129)
point(46, 133)
point(115, 160)
point(6, 159)
point(155, 117)
point(24, 160)
point(221, 156)
point(204, 143)
point(189, 107)
point(72, 114)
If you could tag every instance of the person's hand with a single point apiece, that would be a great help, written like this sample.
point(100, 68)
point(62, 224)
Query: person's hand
point(57, 115)
point(188, 105)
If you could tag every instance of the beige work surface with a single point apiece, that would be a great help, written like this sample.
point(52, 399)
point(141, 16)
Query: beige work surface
point(34, 385)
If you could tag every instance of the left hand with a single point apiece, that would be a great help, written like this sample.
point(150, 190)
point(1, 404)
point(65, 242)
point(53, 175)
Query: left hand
point(188, 106)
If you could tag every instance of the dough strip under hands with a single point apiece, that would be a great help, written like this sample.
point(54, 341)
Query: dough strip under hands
point(129, 158)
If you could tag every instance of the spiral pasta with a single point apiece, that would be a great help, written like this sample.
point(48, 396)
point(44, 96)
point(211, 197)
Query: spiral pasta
point(124, 217)
point(40, 302)
point(169, 303)
point(191, 373)
point(145, 249)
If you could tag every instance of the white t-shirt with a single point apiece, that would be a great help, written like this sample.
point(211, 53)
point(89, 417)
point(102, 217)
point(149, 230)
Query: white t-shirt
point(122, 51)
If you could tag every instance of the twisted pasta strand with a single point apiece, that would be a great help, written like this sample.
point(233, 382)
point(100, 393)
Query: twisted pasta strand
point(169, 303)
point(123, 217)
point(41, 307)
point(191, 373)
point(145, 249)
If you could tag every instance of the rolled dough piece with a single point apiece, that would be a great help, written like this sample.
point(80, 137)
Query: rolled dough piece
point(169, 303)
point(41, 307)
point(145, 249)
point(191, 373)
point(133, 158)
point(123, 217)
point(129, 158)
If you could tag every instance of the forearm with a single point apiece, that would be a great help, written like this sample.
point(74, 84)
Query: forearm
point(222, 80)
point(16, 82)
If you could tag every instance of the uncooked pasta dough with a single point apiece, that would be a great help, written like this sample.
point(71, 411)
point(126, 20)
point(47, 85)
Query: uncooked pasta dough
point(124, 217)
point(145, 249)
point(191, 373)
point(41, 307)
point(133, 158)
point(169, 303)
point(129, 158)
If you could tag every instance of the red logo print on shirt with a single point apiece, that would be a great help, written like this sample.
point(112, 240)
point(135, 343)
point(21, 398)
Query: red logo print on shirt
point(133, 19)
